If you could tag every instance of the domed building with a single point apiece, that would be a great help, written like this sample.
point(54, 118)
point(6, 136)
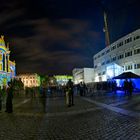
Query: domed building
point(7, 67)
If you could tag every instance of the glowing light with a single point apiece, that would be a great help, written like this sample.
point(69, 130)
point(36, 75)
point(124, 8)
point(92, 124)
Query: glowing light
point(7, 67)
point(113, 70)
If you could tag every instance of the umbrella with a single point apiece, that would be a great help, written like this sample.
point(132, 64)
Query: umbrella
point(126, 75)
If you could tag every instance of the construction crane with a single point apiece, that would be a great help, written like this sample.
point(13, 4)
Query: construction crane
point(107, 39)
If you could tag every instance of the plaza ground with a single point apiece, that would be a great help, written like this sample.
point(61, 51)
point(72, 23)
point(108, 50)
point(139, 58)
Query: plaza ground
point(98, 117)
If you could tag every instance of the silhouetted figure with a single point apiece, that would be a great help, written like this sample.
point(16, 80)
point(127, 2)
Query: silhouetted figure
point(43, 92)
point(84, 89)
point(130, 88)
point(81, 86)
point(125, 86)
point(9, 105)
point(69, 88)
point(114, 86)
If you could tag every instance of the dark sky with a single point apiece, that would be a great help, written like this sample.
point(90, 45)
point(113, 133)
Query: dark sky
point(55, 36)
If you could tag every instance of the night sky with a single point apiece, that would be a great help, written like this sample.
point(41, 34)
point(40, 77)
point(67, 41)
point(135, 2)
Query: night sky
point(55, 36)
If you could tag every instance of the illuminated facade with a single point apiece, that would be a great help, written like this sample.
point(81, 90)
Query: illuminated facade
point(121, 56)
point(7, 67)
point(30, 80)
point(85, 75)
point(62, 79)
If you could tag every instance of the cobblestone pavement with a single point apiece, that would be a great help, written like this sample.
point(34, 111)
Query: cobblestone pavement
point(51, 119)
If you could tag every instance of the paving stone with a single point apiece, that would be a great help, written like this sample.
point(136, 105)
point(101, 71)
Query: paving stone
point(31, 122)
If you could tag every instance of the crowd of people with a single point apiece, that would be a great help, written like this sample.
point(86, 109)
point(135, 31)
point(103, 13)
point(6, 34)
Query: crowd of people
point(69, 90)
point(128, 87)
point(9, 93)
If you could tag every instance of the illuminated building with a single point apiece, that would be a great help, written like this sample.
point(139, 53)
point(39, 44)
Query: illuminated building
point(85, 75)
point(7, 67)
point(62, 79)
point(29, 80)
point(121, 56)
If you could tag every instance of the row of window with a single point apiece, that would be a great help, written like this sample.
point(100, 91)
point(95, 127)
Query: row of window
point(31, 81)
point(128, 40)
point(130, 67)
point(125, 68)
point(28, 78)
point(121, 56)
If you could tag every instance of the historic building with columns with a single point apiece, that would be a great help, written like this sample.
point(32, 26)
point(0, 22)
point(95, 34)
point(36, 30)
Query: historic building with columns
point(7, 67)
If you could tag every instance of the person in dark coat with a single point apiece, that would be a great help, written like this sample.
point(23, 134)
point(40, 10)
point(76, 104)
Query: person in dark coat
point(131, 87)
point(81, 88)
point(125, 86)
point(69, 87)
point(9, 105)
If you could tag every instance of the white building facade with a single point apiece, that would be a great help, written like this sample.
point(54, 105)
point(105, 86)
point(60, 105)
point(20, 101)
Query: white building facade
point(121, 56)
point(85, 75)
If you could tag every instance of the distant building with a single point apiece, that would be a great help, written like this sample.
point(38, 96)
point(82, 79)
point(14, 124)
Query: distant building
point(85, 75)
point(7, 67)
point(121, 56)
point(29, 80)
point(62, 79)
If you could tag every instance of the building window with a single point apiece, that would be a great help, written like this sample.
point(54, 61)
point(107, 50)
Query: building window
point(99, 74)
point(95, 66)
point(127, 54)
point(136, 66)
point(114, 47)
point(137, 51)
point(123, 68)
point(103, 53)
point(114, 58)
point(108, 61)
point(103, 72)
point(128, 40)
point(108, 51)
point(119, 44)
point(137, 37)
point(120, 56)
point(103, 63)
point(129, 67)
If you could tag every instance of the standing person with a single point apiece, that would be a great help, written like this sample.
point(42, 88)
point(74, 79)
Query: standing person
point(69, 87)
point(130, 87)
point(114, 86)
point(81, 89)
point(84, 89)
point(9, 105)
point(125, 86)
